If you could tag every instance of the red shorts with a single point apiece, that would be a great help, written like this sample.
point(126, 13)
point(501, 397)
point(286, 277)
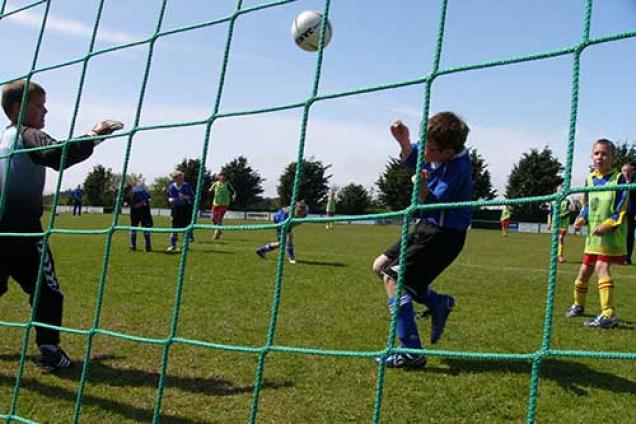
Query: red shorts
point(505, 223)
point(590, 259)
point(218, 211)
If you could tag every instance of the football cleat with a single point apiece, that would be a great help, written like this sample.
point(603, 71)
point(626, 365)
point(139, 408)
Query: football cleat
point(439, 315)
point(52, 359)
point(575, 311)
point(403, 360)
point(602, 321)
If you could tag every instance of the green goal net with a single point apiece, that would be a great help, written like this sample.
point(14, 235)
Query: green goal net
point(426, 81)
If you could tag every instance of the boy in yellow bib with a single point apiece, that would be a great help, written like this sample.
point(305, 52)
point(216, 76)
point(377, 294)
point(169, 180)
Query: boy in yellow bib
point(604, 212)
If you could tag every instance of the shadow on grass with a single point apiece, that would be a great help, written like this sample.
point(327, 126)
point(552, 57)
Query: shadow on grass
point(571, 376)
point(101, 373)
point(190, 250)
point(320, 263)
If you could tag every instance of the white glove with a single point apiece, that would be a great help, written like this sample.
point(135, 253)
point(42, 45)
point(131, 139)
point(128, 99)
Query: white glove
point(105, 128)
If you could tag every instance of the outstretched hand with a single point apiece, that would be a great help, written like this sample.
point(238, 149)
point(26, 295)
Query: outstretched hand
point(107, 127)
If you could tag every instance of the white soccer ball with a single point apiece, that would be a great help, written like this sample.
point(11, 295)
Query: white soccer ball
point(305, 30)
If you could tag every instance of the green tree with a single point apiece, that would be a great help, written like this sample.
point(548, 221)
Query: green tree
point(395, 186)
point(625, 153)
point(100, 185)
point(245, 180)
point(482, 187)
point(313, 184)
point(158, 192)
point(353, 199)
point(190, 169)
point(536, 174)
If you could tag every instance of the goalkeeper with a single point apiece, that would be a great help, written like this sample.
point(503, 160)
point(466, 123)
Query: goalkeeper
point(22, 181)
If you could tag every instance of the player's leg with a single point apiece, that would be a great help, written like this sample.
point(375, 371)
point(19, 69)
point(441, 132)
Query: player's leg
point(187, 219)
point(291, 252)
point(607, 318)
point(379, 264)
point(215, 221)
point(50, 301)
point(561, 246)
point(269, 247)
point(175, 224)
point(630, 239)
point(407, 331)
point(386, 266)
point(433, 250)
point(580, 286)
point(221, 216)
point(134, 222)
point(147, 222)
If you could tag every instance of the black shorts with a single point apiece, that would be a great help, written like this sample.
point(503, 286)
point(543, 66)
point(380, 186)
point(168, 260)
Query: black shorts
point(141, 216)
point(181, 216)
point(429, 251)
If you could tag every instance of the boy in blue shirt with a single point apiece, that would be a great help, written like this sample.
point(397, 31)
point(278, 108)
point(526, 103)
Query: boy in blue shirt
point(180, 197)
point(281, 215)
point(438, 236)
point(26, 172)
point(77, 195)
point(138, 200)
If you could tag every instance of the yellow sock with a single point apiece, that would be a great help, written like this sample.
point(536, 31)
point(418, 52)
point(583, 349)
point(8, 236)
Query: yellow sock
point(560, 250)
point(580, 292)
point(606, 293)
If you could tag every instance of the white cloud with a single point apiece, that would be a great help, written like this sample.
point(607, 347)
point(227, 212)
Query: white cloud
point(72, 27)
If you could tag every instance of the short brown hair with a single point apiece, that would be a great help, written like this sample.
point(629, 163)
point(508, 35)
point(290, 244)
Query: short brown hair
point(12, 94)
point(607, 143)
point(447, 131)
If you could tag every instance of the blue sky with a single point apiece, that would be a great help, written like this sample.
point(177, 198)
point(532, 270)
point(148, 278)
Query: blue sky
point(510, 109)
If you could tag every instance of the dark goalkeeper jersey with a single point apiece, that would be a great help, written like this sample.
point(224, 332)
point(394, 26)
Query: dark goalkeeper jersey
point(27, 173)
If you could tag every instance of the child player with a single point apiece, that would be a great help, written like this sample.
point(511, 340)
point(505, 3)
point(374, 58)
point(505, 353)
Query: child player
point(139, 201)
point(504, 218)
point(604, 213)
point(301, 211)
point(25, 174)
point(180, 197)
point(562, 223)
point(437, 238)
point(222, 190)
point(330, 209)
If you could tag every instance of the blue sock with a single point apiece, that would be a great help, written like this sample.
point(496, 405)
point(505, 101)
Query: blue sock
point(430, 298)
point(406, 326)
point(173, 239)
point(290, 251)
point(266, 248)
point(133, 238)
point(147, 238)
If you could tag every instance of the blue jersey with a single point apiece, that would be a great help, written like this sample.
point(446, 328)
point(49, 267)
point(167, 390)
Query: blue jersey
point(283, 213)
point(77, 194)
point(184, 190)
point(449, 181)
point(139, 198)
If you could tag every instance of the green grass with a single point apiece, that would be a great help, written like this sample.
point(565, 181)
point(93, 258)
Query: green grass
point(329, 300)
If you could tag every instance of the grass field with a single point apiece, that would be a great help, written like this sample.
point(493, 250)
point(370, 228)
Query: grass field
point(329, 300)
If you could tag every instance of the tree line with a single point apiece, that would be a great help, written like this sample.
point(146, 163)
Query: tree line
point(537, 173)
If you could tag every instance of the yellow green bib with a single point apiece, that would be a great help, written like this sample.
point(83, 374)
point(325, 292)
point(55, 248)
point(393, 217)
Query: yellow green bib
point(600, 208)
